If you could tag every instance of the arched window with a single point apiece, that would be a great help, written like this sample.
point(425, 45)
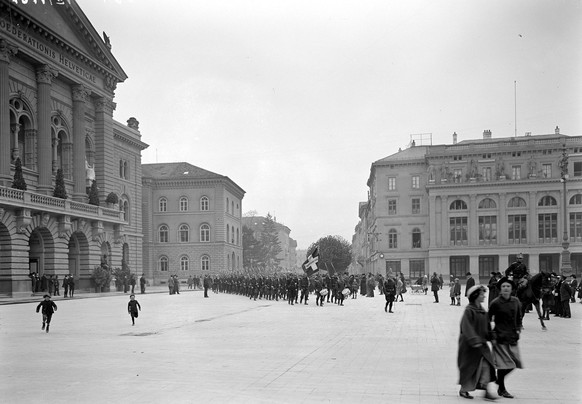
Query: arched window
point(62, 146)
point(516, 202)
point(204, 203)
point(205, 233)
point(487, 203)
point(205, 263)
point(184, 263)
point(232, 207)
point(232, 261)
point(576, 199)
point(163, 234)
point(184, 233)
point(227, 261)
point(458, 204)
point(124, 207)
point(163, 205)
point(547, 201)
point(226, 205)
point(22, 133)
point(183, 204)
point(120, 168)
point(392, 239)
point(237, 238)
point(416, 240)
point(163, 264)
point(227, 233)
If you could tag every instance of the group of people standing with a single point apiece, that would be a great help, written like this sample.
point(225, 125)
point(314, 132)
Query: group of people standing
point(51, 284)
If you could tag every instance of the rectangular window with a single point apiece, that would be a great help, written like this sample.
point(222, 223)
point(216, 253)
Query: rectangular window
point(415, 206)
point(576, 227)
point(392, 184)
point(415, 182)
point(486, 173)
point(548, 228)
point(392, 239)
point(416, 269)
point(457, 175)
point(394, 266)
point(458, 227)
point(515, 172)
point(547, 170)
point(459, 266)
point(488, 264)
point(578, 169)
point(517, 229)
point(392, 207)
point(487, 230)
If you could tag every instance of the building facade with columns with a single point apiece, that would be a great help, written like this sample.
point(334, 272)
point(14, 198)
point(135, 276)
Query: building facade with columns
point(473, 206)
point(191, 220)
point(57, 84)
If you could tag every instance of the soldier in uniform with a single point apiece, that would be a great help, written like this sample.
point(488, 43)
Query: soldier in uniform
point(304, 284)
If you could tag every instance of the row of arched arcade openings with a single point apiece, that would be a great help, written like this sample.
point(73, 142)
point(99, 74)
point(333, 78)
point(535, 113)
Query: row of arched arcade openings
point(49, 256)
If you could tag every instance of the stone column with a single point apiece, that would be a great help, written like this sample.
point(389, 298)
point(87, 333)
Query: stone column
point(55, 154)
point(14, 129)
point(473, 221)
point(44, 77)
point(6, 51)
point(30, 140)
point(80, 94)
point(106, 170)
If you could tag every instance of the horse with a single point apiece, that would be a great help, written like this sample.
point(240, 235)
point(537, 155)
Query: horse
point(548, 299)
point(529, 291)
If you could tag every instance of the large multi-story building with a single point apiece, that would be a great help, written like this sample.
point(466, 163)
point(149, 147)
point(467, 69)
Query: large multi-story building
point(288, 254)
point(473, 206)
point(191, 221)
point(57, 84)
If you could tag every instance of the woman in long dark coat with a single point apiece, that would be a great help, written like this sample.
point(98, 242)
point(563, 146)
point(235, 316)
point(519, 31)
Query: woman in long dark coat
point(475, 360)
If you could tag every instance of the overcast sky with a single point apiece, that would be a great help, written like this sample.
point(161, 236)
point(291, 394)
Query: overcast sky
point(293, 100)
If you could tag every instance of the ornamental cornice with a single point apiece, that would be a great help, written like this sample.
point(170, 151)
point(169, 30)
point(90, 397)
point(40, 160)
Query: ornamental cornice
point(132, 142)
point(504, 183)
point(105, 105)
point(7, 51)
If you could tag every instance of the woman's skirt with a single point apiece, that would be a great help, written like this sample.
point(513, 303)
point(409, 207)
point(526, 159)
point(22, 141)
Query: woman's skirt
point(506, 356)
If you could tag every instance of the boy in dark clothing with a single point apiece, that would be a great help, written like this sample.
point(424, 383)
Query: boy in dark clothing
point(132, 307)
point(48, 308)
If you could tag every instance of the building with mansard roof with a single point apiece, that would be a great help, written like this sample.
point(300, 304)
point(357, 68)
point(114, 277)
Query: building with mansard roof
point(472, 206)
point(191, 222)
point(58, 78)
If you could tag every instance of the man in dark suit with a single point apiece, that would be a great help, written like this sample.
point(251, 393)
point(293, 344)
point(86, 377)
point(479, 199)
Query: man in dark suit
point(470, 283)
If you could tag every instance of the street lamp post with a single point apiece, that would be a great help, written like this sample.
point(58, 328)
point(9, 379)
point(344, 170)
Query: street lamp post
point(566, 268)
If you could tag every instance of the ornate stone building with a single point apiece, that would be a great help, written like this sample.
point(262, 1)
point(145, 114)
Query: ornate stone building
point(192, 222)
point(473, 206)
point(57, 84)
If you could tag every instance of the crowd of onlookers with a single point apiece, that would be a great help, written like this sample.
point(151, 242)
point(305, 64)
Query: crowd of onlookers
point(51, 284)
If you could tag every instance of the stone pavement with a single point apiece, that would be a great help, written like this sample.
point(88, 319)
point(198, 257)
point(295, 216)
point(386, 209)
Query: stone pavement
point(229, 349)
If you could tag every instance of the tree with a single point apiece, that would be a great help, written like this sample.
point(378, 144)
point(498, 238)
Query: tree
point(19, 182)
point(335, 253)
point(60, 190)
point(252, 249)
point(94, 194)
point(271, 244)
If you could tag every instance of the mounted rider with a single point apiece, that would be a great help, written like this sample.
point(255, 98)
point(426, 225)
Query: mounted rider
point(519, 273)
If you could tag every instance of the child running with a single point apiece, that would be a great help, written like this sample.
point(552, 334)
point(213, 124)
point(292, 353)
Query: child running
point(48, 308)
point(132, 307)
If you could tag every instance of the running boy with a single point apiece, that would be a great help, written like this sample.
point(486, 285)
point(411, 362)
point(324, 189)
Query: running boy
point(48, 308)
point(132, 307)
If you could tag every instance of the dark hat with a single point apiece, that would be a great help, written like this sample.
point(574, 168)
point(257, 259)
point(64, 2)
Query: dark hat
point(573, 276)
point(468, 274)
point(503, 280)
point(49, 296)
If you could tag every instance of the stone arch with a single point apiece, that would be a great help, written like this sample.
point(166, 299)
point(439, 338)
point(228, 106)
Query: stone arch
point(5, 254)
point(79, 255)
point(41, 251)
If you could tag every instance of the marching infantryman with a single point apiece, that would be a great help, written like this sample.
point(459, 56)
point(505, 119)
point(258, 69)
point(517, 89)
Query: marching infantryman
point(132, 308)
point(304, 289)
point(48, 308)
point(505, 312)
point(474, 358)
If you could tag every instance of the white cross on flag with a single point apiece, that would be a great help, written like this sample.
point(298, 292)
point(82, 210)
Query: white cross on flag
point(310, 264)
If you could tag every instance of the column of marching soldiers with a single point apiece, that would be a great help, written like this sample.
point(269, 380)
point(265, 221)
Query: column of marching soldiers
point(292, 288)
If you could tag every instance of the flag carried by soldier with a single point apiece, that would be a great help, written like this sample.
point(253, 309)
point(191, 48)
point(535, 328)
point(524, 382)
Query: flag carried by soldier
point(310, 264)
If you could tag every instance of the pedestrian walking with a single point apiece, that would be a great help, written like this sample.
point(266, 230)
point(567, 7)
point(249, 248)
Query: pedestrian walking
point(565, 296)
point(470, 283)
point(142, 284)
point(456, 293)
point(66, 286)
point(206, 284)
point(57, 286)
point(389, 293)
point(48, 309)
point(435, 285)
point(505, 312)
point(474, 359)
point(71, 286)
point(132, 308)
point(132, 283)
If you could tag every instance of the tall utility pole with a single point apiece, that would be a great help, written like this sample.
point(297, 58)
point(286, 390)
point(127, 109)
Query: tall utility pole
point(566, 267)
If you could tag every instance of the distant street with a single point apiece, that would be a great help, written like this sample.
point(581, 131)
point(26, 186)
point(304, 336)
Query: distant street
point(229, 349)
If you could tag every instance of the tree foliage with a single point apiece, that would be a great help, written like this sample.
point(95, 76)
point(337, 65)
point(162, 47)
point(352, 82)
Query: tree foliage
point(19, 182)
point(94, 194)
point(252, 252)
point(262, 251)
point(335, 253)
point(60, 190)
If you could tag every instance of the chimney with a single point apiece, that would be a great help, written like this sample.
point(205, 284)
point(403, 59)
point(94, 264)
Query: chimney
point(486, 134)
point(557, 130)
point(454, 137)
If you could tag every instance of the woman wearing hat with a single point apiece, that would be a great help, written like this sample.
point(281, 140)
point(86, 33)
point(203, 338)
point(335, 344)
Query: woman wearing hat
point(474, 359)
point(505, 312)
